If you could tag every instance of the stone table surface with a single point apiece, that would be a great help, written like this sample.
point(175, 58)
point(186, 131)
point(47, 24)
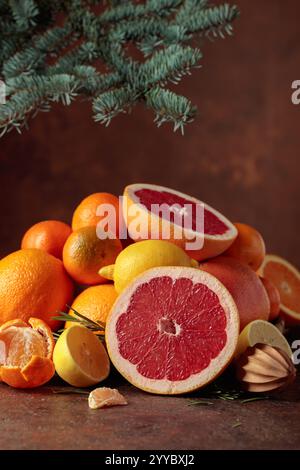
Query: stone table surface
point(45, 419)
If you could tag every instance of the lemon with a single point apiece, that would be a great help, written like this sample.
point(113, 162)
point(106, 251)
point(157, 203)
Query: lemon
point(264, 332)
point(140, 256)
point(79, 357)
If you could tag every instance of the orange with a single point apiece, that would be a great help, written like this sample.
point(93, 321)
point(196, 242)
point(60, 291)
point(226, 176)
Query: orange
point(26, 353)
point(84, 254)
point(85, 213)
point(94, 303)
point(33, 284)
point(48, 235)
point(248, 247)
point(244, 285)
point(274, 297)
point(287, 280)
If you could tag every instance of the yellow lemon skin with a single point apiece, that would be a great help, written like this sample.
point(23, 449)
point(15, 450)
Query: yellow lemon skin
point(140, 256)
point(79, 357)
point(264, 332)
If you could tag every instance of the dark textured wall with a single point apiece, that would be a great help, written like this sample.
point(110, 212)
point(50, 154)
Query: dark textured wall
point(240, 155)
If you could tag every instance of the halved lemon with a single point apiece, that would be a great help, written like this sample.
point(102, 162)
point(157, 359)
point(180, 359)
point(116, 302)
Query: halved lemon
point(263, 332)
point(79, 357)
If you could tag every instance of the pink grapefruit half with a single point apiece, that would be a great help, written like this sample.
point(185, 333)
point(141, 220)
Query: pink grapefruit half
point(172, 330)
point(215, 236)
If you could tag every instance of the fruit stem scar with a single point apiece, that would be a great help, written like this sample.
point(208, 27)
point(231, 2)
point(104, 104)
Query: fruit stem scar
point(285, 287)
point(168, 326)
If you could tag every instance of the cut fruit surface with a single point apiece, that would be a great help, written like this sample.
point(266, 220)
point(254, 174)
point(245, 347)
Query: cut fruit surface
point(215, 234)
point(287, 280)
point(263, 332)
point(172, 330)
point(80, 358)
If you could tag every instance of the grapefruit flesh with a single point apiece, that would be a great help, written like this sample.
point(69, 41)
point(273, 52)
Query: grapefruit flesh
point(217, 233)
point(172, 330)
point(244, 285)
point(286, 279)
point(212, 224)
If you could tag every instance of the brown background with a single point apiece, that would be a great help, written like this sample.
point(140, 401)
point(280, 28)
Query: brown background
point(240, 155)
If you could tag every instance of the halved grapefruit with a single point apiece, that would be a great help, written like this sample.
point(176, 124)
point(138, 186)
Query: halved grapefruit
point(287, 280)
point(216, 232)
point(172, 330)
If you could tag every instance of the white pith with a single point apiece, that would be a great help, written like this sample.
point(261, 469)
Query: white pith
point(230, 233)
point(277, 259)
point(164, 386)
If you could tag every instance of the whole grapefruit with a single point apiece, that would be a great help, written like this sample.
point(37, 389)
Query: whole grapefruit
point(244, 285)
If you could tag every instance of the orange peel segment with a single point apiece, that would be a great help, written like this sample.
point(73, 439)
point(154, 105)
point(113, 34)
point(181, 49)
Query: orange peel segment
point(43, 329)
point(26, 353)
point(104, 397)
point(8, 324)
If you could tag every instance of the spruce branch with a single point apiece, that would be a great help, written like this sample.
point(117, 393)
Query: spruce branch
point(90, 55)
point(24, 13)
point(109, 104)
point(170, 107)
point(170, 64)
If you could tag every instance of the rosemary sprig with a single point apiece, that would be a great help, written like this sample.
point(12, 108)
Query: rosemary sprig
point(71, 390)
point(223, 389)
point(236, 424)
point(199, 402)
point(228, 396)
point(96, 327)
point(57, 333)
point(248, 400)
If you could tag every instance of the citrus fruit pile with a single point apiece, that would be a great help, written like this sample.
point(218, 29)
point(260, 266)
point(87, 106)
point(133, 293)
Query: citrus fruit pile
point(179, 291)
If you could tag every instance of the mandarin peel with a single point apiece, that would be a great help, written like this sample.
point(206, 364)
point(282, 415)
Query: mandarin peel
point(21, 367)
